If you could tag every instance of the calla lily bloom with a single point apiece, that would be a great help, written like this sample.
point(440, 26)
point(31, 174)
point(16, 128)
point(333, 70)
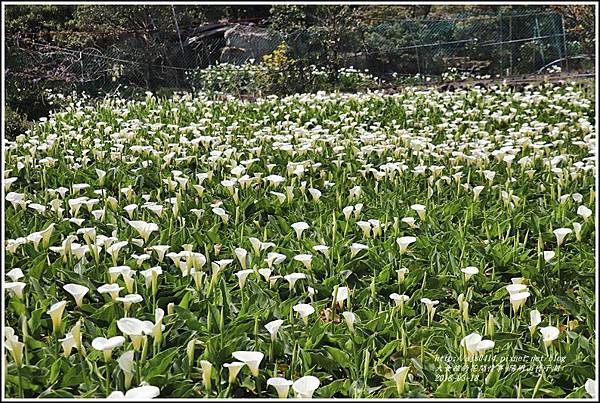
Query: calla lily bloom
point(299, 227)
point(430, 307)
point(13, 345)
point(347, 212)
point(561, 233)
point(234, 369)
point(549, 255)
point(221, 213)
point(577, 228)
point(315, 193)
point(293, 277)
point(266, 273)
point(584, 212)
point(242, 255)
point(281, 385)
point(15, 274)
point(242, 275)
point(143, 392)
point(274, 258)
point(114, 249)
point(341, 295)
point(151, 276)
point(273, 327)
point(304, 310)
point(518, 299)
point(56, 312)
point(157, 327)
point(160, 251)
point(591, 387)
point(516, 288)
point(402, 272)
point(469, 272)
point(77, 291)
point(128, 300)
point(365, 227)
point(251, 358)
point(206, 373)
point(357, 247)
point(68, 343)
point(535, 318)
point(549, 334)
point(305, 259)
point(410, 221)
point(111, 289)
point(144, 228)
point(127, 364)
point(324, 249)
point(404, 242)
point(135, 329)
point(273, 280)
point(107, 345)
point(194, 260)
point(485, 345)
point(349, 318)
point(399, 300)
point(130, 208)
point(306, 386)
point(400, 378)
point(474, 343)
point(476, 191)
point(78, 337)
point(256, 244)
point(16, 288)
point(420, 209)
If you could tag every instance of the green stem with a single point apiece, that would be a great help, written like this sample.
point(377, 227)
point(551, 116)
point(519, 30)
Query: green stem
point(107, 379)
point(21, 384)
point(558, 265)
point(137, 370)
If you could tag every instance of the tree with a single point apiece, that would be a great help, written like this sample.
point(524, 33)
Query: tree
point(321, 34)
point(580, 23)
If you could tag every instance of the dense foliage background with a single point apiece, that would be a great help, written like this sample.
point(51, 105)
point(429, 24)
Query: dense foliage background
point(154, 43)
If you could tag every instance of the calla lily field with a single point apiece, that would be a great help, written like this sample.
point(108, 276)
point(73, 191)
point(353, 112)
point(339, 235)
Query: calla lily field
point(423, 244)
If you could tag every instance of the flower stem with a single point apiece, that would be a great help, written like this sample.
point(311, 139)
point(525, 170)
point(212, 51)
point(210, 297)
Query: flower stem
point(21, 383)
point(107, 386)
point(137, 371)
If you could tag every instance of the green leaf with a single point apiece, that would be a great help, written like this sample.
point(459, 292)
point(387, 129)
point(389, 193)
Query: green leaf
point(158, 364)
point(341, 386)
point(342, 358)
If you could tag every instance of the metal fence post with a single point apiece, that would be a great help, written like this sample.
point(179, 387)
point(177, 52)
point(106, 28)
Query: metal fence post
point(501, 47)
point(538, 33)
point(564, 38)
point(510, 71)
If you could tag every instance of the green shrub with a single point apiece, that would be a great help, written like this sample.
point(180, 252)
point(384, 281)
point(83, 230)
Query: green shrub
point(279, 74)
point(27, 98)
point(279, 79)
point(15, 123)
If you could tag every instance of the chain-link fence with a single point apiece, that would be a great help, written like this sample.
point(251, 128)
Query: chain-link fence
point(503, 45)
point(114, 67)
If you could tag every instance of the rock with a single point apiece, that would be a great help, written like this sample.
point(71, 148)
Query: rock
point(244, 42)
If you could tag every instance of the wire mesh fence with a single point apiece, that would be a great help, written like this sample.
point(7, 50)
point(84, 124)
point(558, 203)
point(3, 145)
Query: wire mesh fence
point(503, 45)
point(499, 45)
point(110, 68)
